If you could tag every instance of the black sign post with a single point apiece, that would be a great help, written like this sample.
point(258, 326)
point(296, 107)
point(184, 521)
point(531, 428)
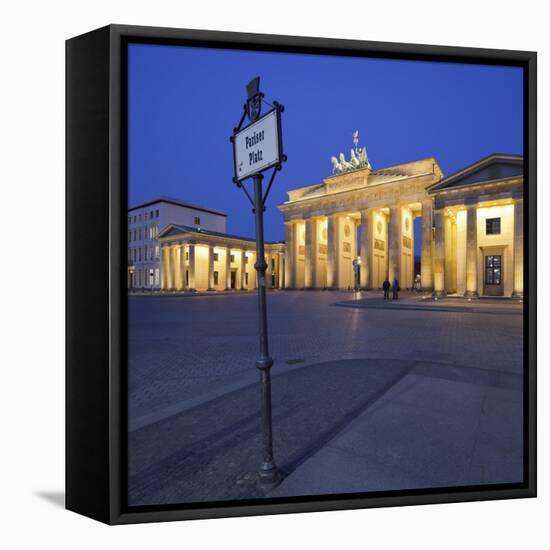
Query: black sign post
point(256, 148)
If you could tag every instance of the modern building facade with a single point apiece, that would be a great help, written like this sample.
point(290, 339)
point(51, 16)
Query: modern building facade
point(145, 222)
point(197, 259)
point(471, 239)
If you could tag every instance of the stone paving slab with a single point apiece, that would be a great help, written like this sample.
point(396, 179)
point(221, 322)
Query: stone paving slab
point(423, 433)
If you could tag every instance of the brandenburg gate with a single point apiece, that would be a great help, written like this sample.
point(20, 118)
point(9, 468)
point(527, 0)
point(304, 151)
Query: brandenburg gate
point(472, 227)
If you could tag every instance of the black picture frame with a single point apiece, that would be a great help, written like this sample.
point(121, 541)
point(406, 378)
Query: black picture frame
point(96, 294)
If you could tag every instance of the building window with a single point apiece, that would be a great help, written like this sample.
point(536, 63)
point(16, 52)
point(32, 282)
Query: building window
point(492, 226)
point(157, 252)
point(139, 254)
point(246, 259)
point(216, 275)
point(246, 279)
point(232, 257)
point(157, 213)
point(145, 217)
point(157, 277)
point(151, 215)
point(135, 254)
point(135, 234)
point(139, 233)
point(187, 255)
point(129, 236)
point(216, 256)
point(493, 270)
point(197, 220)
point(134, 219)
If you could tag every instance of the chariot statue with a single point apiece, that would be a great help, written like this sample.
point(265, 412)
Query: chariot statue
point(358, 158)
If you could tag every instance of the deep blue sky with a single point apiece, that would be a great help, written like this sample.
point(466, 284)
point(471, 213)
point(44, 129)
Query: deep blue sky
point(184, 103)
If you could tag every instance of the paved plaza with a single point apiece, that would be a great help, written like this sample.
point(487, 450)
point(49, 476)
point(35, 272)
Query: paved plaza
point(367, 395)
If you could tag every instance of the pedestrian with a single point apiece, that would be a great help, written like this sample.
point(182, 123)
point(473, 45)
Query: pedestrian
point(386, 286)
point(395, 288)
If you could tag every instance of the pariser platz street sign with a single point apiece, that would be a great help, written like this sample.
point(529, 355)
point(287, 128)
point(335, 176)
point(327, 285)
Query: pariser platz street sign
point(258, 147)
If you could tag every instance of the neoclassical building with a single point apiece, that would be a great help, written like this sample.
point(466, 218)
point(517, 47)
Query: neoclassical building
point(472, 228)
point(205, 260)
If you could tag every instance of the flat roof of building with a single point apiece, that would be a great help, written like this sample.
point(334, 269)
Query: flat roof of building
point(176, 202)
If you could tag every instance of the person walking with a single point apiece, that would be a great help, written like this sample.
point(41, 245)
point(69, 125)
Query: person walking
point(395, 289)
point(386, 286)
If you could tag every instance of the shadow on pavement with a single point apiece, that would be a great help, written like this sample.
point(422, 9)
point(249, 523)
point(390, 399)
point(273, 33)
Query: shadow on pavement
point(212, 452)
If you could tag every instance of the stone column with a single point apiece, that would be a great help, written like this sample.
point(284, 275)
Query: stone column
point(448, 237)
point(227, 269)
point(394, 248)
point(180, 267)
point(518, 249)
point(242, 270)
point(211, 285)
point(439, 254)
point(268, 271)
point(290, 253)
point(166, 282)
point(281, 269)
point(310, 259)
point(191, 249)
point(183, 266)
point(366, 248)
point(471, 251)
point(252, 273)
point(174, 267)
point(426, 261)
point(333, 252)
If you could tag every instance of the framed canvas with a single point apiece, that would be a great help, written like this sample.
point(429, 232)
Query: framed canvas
point(301, 274)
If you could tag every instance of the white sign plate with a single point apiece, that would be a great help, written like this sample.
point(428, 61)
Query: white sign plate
point(257, 146)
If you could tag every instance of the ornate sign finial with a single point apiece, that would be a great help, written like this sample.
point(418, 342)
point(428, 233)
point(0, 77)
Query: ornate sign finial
point(254, 101)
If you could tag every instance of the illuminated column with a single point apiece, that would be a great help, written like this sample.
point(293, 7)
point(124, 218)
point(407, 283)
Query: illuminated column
point(191, 249)
point(268, 270)
point(252, 274)
point(518, 249)
point(426, 261)
point(211, 285)
point(310, 275)
point(228, 269)
point(281, 269)
point(333, 252)
point(290, 252)
point(394, 260)
point(184, 266)
point(366, 250)
point(448, 228)
point(173, 266)
point(471, 250)
point(242, 271)
point(179, 273)
point(166, 282)
point(439, 254)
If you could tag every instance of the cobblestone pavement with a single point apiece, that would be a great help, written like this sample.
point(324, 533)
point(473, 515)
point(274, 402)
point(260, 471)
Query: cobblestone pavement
point(191, 366)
